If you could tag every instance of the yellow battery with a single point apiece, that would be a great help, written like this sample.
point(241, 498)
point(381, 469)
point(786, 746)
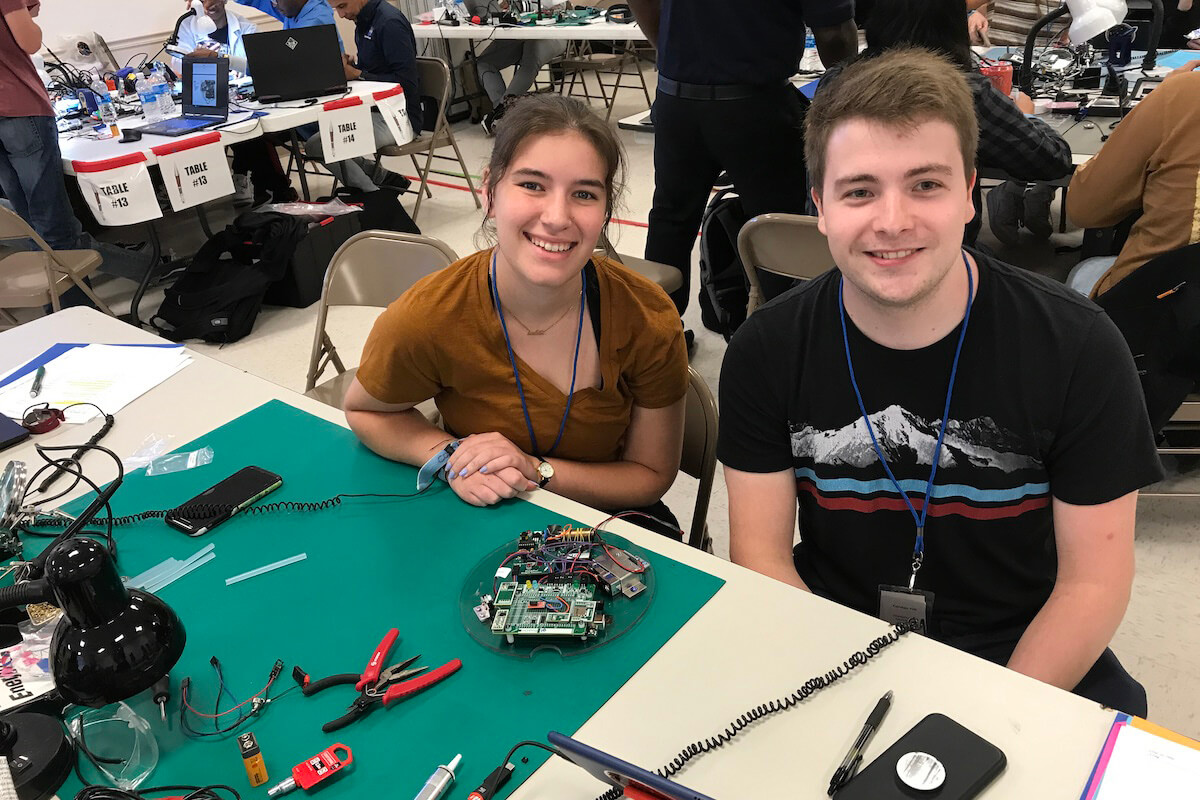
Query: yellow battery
point(256, 770)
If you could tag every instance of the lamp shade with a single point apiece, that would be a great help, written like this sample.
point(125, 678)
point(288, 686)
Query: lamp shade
point(112, 642)
point(1090, 18)
point(204, 23)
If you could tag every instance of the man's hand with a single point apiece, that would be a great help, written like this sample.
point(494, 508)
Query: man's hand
point(353, 73)
point(977, 26)
point(490, 453)
point(1185, 5)
point(203, 52)
point(1024, 102)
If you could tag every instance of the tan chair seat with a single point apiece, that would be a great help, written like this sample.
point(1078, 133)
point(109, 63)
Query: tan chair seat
point(418, 145)
point(669, 278)
point(23, 275)
point(333, 391)
point(1189, 412)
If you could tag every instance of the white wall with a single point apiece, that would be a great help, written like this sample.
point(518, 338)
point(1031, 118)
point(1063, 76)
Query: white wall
point(132, 26)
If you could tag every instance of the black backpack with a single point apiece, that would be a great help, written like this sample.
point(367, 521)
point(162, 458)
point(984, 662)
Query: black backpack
point(219, 296)
point(724, 290)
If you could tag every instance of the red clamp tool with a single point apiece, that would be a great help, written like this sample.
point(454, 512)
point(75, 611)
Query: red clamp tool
point(377, 685)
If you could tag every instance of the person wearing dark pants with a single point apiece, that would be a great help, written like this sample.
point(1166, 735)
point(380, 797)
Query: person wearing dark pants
point(724, 103)
point(31, 176)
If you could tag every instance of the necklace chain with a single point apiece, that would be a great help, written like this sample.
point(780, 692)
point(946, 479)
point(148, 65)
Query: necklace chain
point(517, 320)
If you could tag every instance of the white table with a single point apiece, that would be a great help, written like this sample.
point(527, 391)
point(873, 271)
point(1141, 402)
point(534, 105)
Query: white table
point(756, 640)
point(601, 31)
point(280, 117)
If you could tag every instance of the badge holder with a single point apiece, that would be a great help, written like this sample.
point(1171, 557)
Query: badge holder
point(907, 606)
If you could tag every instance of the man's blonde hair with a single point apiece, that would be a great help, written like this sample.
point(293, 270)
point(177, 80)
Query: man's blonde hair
point(903, 88)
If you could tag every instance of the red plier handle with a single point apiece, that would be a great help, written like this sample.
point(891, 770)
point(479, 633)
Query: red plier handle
point(375, 665)
point(421, 683)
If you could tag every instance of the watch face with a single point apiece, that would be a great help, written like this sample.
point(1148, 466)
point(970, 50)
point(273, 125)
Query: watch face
point(545, 471)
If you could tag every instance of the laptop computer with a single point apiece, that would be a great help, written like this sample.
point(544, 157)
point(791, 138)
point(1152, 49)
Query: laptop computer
point(205, 98)
point(295, 64)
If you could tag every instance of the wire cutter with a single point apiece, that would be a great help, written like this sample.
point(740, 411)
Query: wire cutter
point(377, 685)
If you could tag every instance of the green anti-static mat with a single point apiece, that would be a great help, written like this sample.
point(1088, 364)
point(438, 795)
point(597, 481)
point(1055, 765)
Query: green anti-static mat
point(372, 564)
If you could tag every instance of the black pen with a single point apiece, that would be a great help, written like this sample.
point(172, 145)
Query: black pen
point(850, 763)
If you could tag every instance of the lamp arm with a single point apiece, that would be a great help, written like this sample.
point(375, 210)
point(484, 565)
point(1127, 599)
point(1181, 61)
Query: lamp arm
point(23, 593)
point(80, 522)
point(174, 38)
point(1150, 60)
point(1027, 67)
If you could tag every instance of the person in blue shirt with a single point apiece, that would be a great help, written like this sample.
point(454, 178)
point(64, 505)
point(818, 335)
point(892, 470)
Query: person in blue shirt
point(294, 13)
point(387, 51)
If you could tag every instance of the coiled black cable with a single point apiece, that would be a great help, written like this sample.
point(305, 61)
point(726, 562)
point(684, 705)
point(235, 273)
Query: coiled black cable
point(811, 687)
point(207, 510)
point(211, 792)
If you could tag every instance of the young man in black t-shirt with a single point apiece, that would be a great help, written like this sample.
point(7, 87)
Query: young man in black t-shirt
point(835, 394)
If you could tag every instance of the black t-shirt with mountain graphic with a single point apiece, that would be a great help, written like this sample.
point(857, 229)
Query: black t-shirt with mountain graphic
point(1046, 404)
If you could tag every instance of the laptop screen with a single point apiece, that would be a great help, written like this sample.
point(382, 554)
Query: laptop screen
point(295, 64)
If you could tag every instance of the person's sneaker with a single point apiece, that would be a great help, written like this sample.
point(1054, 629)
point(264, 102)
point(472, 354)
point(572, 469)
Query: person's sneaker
point(1036, 207)
point(386, 179)
point(1005, 207)
point(288, 195)
point(488, 123)
point(243, 192)
point(689, 340)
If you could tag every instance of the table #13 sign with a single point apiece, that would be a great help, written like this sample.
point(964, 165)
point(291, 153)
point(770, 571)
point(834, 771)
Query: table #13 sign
point(118, 190)
point(195, 170)
point(346, 130)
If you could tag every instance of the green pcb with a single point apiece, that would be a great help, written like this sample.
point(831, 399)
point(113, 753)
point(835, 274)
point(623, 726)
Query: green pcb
point(373, 563)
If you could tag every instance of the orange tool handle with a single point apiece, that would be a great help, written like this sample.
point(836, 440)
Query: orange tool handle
point(421, 683)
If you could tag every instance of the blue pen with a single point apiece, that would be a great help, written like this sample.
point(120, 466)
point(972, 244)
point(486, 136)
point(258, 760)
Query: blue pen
point(37, 382)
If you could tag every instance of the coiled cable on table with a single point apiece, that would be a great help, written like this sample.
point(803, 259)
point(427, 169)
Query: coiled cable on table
point(811, 687)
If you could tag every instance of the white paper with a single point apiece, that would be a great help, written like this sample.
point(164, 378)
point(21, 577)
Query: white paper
point(196, 175)
point(120, 196)
point(346, 133)
point(1144, 765)
point(110, 376)
point(395, 113)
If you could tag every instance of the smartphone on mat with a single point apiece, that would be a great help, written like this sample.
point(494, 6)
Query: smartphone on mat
point(213, 506)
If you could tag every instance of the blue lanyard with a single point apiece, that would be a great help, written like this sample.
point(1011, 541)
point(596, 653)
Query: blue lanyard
point(512, 359)
point(919, 519)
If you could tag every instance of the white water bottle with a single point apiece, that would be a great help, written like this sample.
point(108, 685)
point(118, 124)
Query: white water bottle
point(166, 104)
point(149, 98)
point(105, 111)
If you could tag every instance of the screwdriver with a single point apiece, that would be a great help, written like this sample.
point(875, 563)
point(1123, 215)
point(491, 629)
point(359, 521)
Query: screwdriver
point(162, 693)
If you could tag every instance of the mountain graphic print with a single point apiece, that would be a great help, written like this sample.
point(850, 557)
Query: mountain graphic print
point(984, 472)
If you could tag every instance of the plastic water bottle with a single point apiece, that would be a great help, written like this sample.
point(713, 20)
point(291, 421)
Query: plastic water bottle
point(105, 111)
point(149, 98)
point(166, 104)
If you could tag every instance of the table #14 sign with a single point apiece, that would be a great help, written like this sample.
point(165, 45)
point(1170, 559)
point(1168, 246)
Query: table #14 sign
point(346, 130)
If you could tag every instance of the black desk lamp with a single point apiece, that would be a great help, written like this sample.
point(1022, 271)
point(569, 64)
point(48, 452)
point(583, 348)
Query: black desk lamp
point(110, 643)
point(204, 26)
point(1089, 18)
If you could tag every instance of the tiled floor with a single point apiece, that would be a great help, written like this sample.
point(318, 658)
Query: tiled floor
point(1160, 639)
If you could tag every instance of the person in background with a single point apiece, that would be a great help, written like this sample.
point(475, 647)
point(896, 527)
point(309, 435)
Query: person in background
point(1150, 163)
point(724, 103)
point(893, 402)
point(294, 13)
point(258, 177)
point(1010, 138)
point(552, 367)
point(387, 51)
point(528, 56)
point(31, 175)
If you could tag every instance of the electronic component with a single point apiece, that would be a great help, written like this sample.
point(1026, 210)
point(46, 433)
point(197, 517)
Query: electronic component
point(550, 586)
point(313, 771)
point(256, 770)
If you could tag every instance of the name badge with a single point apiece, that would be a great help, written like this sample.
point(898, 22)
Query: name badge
point(346, 130)
point(118, 190)
point(194, 170)
point(911, 608)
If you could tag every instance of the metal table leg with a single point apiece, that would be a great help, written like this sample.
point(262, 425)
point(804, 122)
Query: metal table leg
point(151, 270)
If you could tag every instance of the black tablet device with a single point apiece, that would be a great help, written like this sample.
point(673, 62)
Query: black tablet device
point(616, 772)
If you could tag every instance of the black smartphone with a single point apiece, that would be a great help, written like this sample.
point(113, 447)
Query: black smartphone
point(213, 506)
